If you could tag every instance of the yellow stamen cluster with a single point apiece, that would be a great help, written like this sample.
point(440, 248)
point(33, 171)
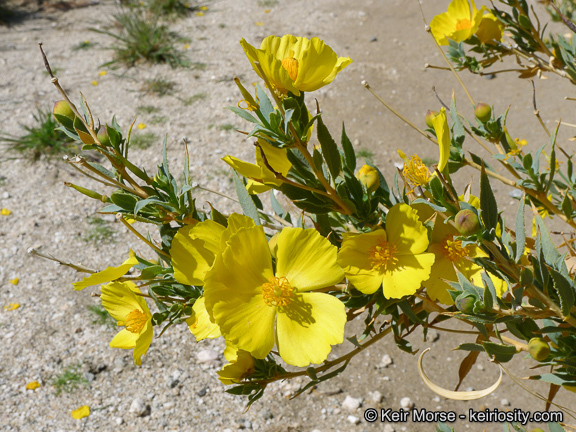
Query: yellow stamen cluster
point(135, 321)
point(291, 65)
point(453, 249)
point(277, 292)
point(383, 255)
point(463, 24)
point(416, 173)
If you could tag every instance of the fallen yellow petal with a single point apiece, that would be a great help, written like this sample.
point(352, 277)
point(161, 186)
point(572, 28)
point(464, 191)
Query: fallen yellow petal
point(5, 212)
point(80, 413)
point(12, 306)
point(102, 73)
point(94, 83)
point(14, 281)
point(259, 23)
point(141, 126)
point(32, 385)
point(203, 7)
point(199, 14)
point(266, 10)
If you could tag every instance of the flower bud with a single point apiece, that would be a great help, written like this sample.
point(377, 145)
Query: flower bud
point(429, 116)
point(103, 136)
point(538, 349)
point(483, 112)
point(64, 114)
point(368, 176)
point(466, 222)
point(465, 303)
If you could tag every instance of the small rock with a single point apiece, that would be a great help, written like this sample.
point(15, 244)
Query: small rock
point(436, 399)
point(243, 424)
point(515, 193)
point(389, 428)
point(386, 361)
point(171, 382)
point(119, 421)
point(480, 367)
point(207, 356)
point(353, 419)
point(356, 142)
point(202, 392)
point(265, 414)
point(505, 402)
point(350, 403)
point(373, 39)
point(432, 336)
point(376, 397)
point(406, 403)
point(89, 376)
point(139, 408)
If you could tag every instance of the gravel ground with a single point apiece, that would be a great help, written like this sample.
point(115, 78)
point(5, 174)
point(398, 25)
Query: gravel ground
point(176, 388)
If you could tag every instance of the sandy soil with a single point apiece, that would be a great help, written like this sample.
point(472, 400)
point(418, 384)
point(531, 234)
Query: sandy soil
point(174, 390)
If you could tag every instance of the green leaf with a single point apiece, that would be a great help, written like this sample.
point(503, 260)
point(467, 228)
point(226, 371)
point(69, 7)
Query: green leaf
point(565, 291)
point(457, 128)
point(443, 427)
point(329, 149)
point(567, 205)
point(520, 231)
point(349, 153)
point(503, 353)
point(488, 203)
point(555, 427)
point(552, 157)
point(550, 251)
point(246, 202)
point(470, 347)
point(242, 113)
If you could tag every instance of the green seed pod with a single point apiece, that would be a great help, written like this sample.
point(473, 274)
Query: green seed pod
point(483, 112)
point(538, 349)
point(465, 303)
point(102, 136)
point(64, 114)
point(467, 222)
point(429, 116)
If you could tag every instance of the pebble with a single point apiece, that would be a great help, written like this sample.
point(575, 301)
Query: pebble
point(386, 361)
point(119, 420)
point(171, 382)
point(350, 403)
point(207, 356)
point(505, 402)
point(353, 419)
point(139, 408)
point(376, 397)
point(265, 414)
point(389, 428)
point(406, 403)
point(480, 367)
point(432, 336)
point(202, 392)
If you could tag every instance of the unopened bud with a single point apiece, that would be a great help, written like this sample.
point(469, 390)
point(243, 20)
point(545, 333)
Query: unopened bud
point(368, 176)
point(466, 222)
point(483, 112)
point(465, 303)
point(102, 136)
point(538, 349)
point(64, 114)
point(428, 118)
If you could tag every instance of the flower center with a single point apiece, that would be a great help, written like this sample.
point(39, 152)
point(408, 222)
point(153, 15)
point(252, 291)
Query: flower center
point(383, 255)
point(415, 172)
point(463, 24)
point(453, 249)
point(291, 65)
point(135, 321)
point(277, 292)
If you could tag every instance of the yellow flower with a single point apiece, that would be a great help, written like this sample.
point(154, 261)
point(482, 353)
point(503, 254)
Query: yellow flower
point(11, 306)
point(80, 413)
point(260, 177)
point(395, 258)
point(32, 385)
point(368, 176)
point(194, 248)
point(295, 64)
point(199, 323)
point(490, 30)
point(256, 307)
point(459, 23)
point(5, 212)
point(131, 311)
point(440, 125)
point(518, 144)
point(107, 275)
point(14, 281)
point(141, 126)
point(241, 365)
point(415, 172)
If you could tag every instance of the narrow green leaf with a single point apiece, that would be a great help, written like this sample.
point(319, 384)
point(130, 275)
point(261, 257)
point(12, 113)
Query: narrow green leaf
point(349, 153)
point(242, 113)
point(329, 149)
point(552, 157)
point(565, 291)
point(520, 230)
point(457, 128)
point(488, 203)
point(246, 202)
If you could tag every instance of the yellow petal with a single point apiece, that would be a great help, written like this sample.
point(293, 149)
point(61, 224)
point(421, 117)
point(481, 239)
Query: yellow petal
point(443, 268)
point(124, 339)
point(233, 292)
point(199, 323)
point(32, 385)
point(236, 222)
point(193, 250)
point(107, 275)
point(240, 368)
point(308, 327)
point(490, 29)
point(405, 230)
point(80, 413)
point(440, 124)
point(14, 281)
point(307, 259)
point(246, 169)
point(276, 158)
point(408, 275)
point(119, 299)
point(143, 343)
